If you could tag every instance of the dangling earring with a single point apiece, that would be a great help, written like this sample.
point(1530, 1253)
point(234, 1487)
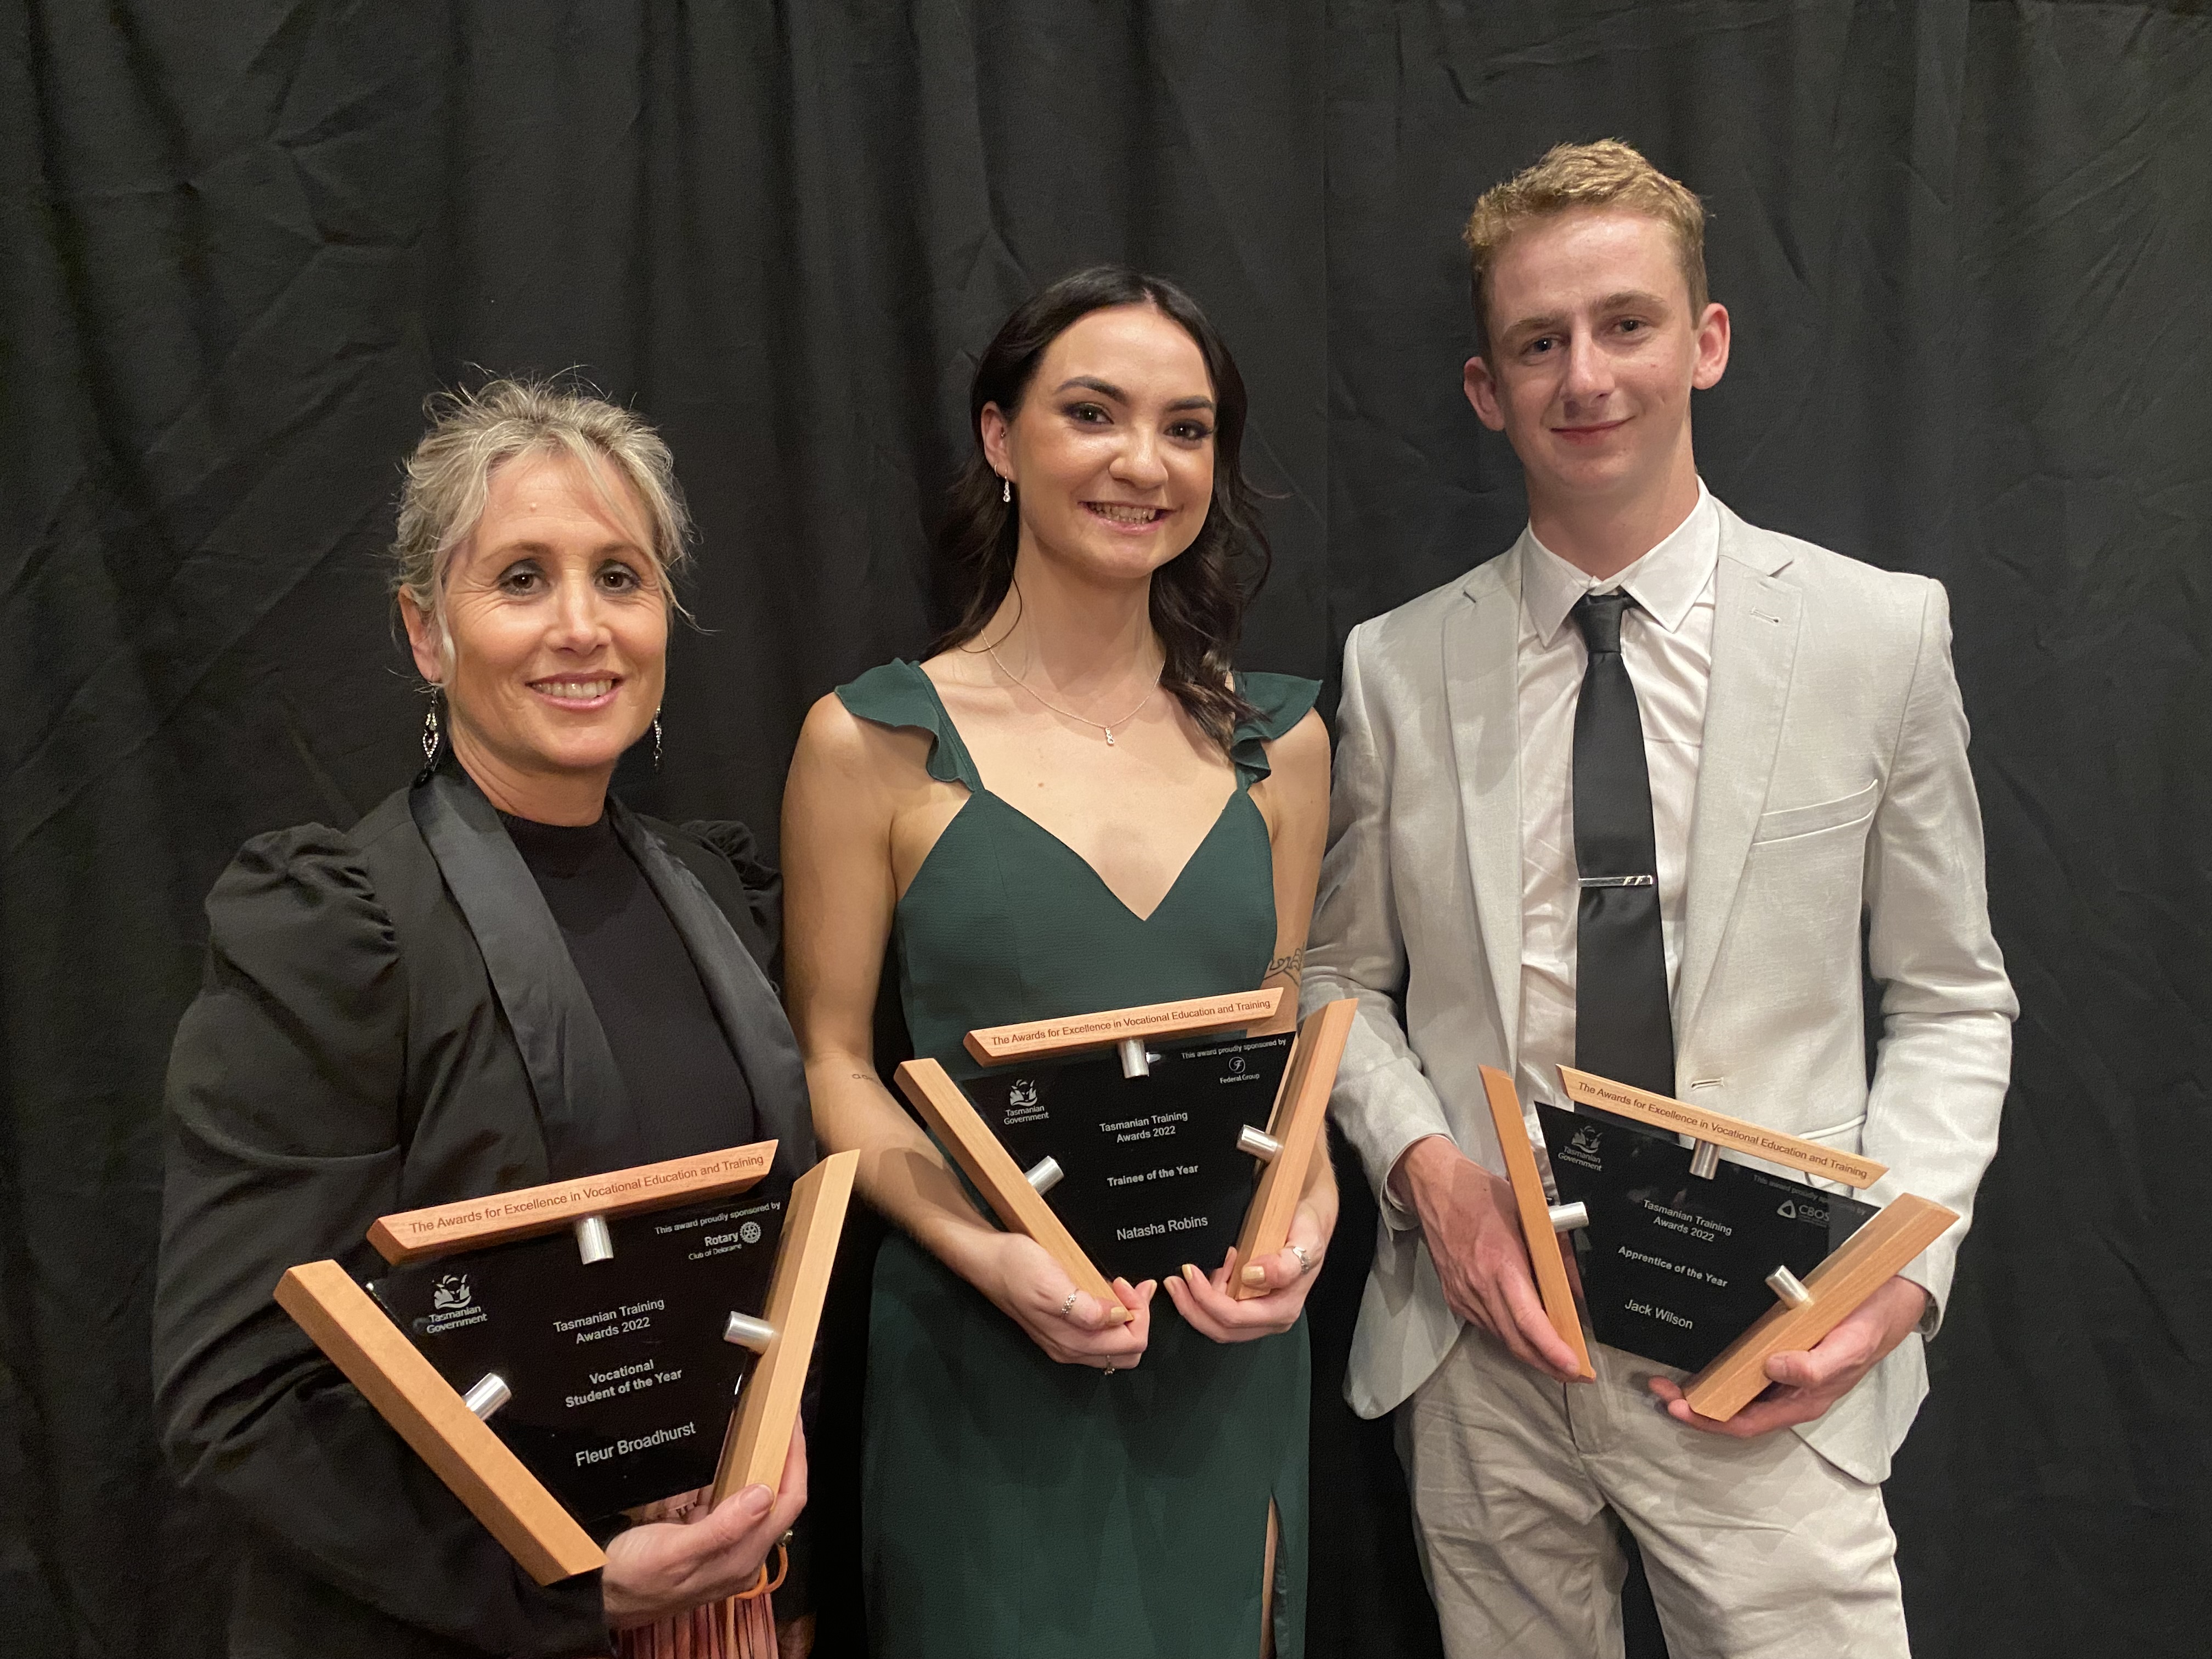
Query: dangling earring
point(656, 743)
point(1006, 489)
point(433, 738)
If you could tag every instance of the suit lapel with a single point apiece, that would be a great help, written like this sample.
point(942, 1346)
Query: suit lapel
point(583, 1109)
point(743, 1001)
point(1755, 620)
point(1481, 645)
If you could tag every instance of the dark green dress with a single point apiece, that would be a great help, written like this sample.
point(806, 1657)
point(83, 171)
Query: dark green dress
point(1014, 1508)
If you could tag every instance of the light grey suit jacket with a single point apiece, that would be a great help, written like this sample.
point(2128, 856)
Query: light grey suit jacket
point(1833, 788)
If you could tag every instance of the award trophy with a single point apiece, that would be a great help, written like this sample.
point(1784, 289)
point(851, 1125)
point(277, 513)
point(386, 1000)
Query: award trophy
point(564, 1353)
point(1707, 1265)
point(1148, 1152)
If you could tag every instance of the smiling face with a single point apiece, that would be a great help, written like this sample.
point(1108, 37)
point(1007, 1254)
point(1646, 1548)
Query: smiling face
point(1111, 452)
point(1593, 355)
point(554, 647)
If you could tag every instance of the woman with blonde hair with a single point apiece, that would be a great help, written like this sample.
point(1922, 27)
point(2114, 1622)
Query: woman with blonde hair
point(499, 977)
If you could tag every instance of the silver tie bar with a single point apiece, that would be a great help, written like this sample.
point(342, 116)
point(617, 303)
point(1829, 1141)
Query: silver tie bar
point(1618, 881)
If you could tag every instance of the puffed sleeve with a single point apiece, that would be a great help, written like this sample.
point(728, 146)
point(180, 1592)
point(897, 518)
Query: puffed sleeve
point(287, 1118)
point(736, 846)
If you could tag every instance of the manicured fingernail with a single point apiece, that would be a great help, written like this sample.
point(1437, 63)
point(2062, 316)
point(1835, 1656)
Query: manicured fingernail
point(1256, 1275)
point(1119, 1316)
point(1191, 1275)
point(754, 1500)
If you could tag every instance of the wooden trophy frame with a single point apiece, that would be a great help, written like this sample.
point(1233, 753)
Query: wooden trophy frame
point(1288, 1143)
point(431, 1415)
point(1802, 1313)
point(1539, 1229)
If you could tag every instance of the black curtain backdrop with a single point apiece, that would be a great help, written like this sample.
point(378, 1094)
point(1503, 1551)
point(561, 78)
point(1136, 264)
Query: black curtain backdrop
point(1966, 247)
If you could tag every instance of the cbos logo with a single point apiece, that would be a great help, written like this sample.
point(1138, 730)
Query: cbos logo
point(452, 1294)
point(750, 1232)
point(1023, 1093)
point(1802, 1210)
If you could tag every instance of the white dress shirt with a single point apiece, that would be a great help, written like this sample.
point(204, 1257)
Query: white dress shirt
point(1667, 642)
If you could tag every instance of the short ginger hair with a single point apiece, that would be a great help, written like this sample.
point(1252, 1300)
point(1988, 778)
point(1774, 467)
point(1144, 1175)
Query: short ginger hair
point(1608, 173)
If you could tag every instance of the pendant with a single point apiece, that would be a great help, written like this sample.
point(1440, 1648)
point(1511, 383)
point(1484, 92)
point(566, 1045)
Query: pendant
point(1109, 736)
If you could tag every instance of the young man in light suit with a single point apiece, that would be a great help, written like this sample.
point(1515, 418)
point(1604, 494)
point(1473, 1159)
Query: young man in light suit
point(1643, 835)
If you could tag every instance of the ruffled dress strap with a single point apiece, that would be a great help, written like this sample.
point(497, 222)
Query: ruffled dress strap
point(1279, 702)
point(899, 694)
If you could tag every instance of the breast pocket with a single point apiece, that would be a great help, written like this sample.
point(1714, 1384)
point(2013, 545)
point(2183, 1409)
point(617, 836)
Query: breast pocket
point(1793, 822)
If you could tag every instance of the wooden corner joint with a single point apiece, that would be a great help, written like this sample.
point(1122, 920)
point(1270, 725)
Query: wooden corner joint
point(376, 1356)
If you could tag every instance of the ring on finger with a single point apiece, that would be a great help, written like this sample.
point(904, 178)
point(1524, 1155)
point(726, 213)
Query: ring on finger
point(1305, 1261)
point(1068, 1306)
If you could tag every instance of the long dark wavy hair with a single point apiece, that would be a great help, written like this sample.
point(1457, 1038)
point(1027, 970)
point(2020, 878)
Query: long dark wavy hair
point(1198, 598)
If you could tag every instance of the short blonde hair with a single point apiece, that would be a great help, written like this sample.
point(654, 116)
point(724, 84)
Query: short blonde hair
point(473, 434)
point(1607, 173)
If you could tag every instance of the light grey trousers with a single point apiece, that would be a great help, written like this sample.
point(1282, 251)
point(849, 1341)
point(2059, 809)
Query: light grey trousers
point(1755, 1549)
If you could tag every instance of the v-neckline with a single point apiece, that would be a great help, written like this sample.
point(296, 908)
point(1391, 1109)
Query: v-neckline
point(978, 788)
point(1106, 887)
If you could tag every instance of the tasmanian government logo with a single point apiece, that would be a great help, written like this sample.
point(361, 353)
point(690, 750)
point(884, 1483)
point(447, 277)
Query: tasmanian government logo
point(453, 1307)
point(1582, 1150)
point(750, 1232)
point(1022, 1094)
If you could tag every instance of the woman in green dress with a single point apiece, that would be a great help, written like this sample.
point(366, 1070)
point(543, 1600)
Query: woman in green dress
point(1075, 805)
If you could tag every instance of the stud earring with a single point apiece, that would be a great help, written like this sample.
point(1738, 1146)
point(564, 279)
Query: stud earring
point(656, 743)
point(1005, 489)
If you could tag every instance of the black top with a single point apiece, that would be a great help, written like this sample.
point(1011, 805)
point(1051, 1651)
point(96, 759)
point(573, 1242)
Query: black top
point(688, 1094)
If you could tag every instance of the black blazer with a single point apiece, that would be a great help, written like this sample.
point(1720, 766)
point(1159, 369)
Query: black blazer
point(389, 1020)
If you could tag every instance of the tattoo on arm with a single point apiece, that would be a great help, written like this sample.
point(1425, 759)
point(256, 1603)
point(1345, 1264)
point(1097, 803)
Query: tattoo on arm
point(1291, 966)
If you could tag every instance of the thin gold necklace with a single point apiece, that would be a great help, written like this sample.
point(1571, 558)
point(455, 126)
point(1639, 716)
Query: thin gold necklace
point(1106, 727)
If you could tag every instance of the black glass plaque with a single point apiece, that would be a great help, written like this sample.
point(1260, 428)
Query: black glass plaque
point(1152, 1174)
point(623, 1384)
point(1674, 1266)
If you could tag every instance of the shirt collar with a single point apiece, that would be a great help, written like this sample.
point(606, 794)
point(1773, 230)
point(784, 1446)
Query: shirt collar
point(1664, 583)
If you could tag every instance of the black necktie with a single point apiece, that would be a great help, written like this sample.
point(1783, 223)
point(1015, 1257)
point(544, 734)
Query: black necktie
point(1624, 1029)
